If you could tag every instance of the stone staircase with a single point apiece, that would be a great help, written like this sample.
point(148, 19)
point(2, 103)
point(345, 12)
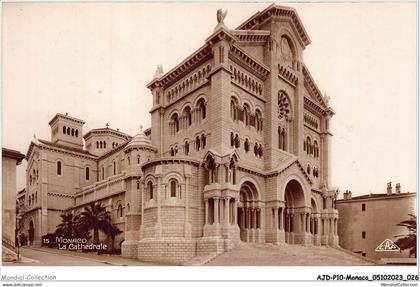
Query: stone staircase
point(264, 254)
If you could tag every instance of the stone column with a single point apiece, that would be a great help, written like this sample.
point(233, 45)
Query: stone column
point(281, 214)
point(235, 211)
point(276, 220)
point(206, 211)
point(216, 210)
point(254, 218)
point(308, 222)
point(226, 221)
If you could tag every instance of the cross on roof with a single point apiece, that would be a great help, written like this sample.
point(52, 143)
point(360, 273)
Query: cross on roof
point(107, 125)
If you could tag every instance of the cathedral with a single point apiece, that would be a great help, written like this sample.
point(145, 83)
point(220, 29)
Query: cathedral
point(238, 151)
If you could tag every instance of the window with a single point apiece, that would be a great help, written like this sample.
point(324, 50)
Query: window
point(72, 132)
point(120, 210)
point(202, 108)
point(76, 133)
point(128, 207)
point(364, 234)
point(97, 144)
point(104, 144)
point(197, 143)
point(363, 206)
point(186, 148)
point(232, 139)
point(150, 189)
point(100, 144)
point(173, 185)
point(175, 122)
point(246, 115)
point(138, 185)
point(256, 149)
point(114, 166)
point(237, 141)
point(68, 131)
point(308, 169)
point(172, 152)
point(87, 173)
point(363, 254)
point(64, 130)
point(188, 115)
point(246, 145)
point(128, 160)
point(316, 149)
point(58, 167)
point(103, 173)
point(260, 150)
point(203, 141)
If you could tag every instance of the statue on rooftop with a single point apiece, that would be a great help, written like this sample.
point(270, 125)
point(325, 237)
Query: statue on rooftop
point(221, 16)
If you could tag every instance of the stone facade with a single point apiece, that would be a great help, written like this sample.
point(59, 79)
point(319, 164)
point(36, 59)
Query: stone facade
point(239, 150)
point(10, 159)
point(367, 220)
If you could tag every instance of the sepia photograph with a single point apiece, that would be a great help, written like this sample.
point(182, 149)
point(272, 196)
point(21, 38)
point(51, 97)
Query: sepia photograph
point(156, 134)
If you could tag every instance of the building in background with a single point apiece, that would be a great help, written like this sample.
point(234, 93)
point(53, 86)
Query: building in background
point(238, 150)
point(10, 159)
point(368, 220)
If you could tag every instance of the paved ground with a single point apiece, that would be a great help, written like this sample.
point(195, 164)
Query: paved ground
point(247, 254)
point(52, 257)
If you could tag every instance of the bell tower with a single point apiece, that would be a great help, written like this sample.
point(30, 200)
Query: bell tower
point(67, 131)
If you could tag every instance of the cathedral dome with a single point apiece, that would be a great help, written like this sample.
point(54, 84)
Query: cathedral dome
point(140, 141)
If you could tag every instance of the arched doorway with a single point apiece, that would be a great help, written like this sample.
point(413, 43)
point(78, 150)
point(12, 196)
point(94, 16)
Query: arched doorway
point(294, 217)
point(249, 213)
point(31, 232)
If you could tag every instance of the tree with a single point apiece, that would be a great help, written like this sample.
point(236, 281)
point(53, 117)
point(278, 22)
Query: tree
point(112, 231)
point(408, 241)
point(67, 226)
point(96, 217)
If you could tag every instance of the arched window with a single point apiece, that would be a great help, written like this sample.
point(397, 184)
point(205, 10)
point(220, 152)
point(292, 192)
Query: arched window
point(188, 115)
point(76, 133)
point(186, 148)
point(246, 114)
point(203, 141)
point(316, 149)
point(173, 185)
point(113, 145)
point(175, 122)
point(128, 160)
point(172, 152)
point(30, 179)
point(246, 145)
point(197, 143)
point(97, 144)
point(232, 139)
point(138, 159)
point(100, 144)
point(138, 185)
point(237, 141)
point(64, 130)
point(233, 109)
point(128, 207)
point(58, 167)
point(202, 107)
point(72, 132)
point(282, 138)
point(256, 149)
point(103, 173)
point(150, 189)
point(104, 144)
point(308, 169)
point(260, 150)
point(114, 167)
point(120, 210)
point(68, 131)
point(258, 120)
point(87, 173)
point(308, 145)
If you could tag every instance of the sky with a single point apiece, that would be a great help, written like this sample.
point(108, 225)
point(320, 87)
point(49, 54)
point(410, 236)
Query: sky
point(94, 60)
